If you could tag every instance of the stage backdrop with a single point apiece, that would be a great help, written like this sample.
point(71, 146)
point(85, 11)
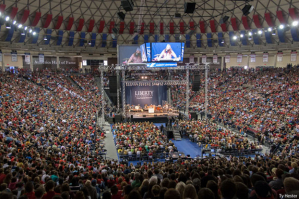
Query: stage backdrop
point(146, 95)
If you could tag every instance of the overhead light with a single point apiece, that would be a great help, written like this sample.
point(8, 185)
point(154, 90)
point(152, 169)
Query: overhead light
point(273, 32)
point(20, 26)
point(260, 32)
point(295, 23)
point(23, 33)
point(249, 38)
point(34, 33)
point(234, 37)
point(25, 28)
point(222, 41)
point(45, 38)
point(250, 33)
point(89, 43)
point(30, 30)
point(8, 26)
point(269, 29)
point(281, 26)
point(7, 18)
point(0, 13)
point(241, 35)
point(14, 22)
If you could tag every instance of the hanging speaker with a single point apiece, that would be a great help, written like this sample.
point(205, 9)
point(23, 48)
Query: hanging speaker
point(247, 9)
point(223, 19)
point(189, 7)
point(121, 16)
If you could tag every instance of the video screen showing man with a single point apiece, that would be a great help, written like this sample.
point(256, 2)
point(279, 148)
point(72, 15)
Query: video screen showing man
point(135, 57)
point(167, 54)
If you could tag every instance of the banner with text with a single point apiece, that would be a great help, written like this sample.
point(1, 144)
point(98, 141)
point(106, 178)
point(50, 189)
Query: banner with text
point(41, 58)
point(141, 95)
point(239, 58)
point(252, 58)
point(265, 57)
point(14, 57)
point(215, 59)
point(293, 56)
point(203, 59)
point(279, 56)
point(227, 58)
point(27, 58)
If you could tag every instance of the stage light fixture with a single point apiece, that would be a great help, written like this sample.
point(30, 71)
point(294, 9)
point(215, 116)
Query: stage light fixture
point(260, 32)
point(30, 31)
point(23, 32)
point(20, 26)
point(269, 29)
point(249, 38)
point(295, 23)
point(34, 33)
point(7, 18)
point(235, 37)
point(250, 33)
point(45, 38)
point(222, 41)
point(0, 13)
point(273, 32)
point(25, 28)
point(281, 26)
point(241, 35)
point(14, 22)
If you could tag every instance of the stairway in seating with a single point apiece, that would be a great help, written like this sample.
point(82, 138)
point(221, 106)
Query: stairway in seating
point(177, 135)
point(74, 82)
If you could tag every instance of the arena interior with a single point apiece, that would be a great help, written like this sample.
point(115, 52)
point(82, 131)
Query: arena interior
point(149, 99)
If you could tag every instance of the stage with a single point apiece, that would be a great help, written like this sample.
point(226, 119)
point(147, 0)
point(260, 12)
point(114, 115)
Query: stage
point(152, 117)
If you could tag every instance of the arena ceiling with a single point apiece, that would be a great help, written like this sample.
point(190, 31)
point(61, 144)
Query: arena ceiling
point(93, 22)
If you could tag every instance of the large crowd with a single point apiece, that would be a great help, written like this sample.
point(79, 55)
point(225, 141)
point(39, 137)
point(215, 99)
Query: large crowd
point(141, 139)
point(51, 146)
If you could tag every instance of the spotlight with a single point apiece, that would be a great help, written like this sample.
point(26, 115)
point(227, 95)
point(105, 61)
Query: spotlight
point(7, 18)
point(222, 41)
point(245, 67)
point(20, 26)
point(0, 13)
point(235, 37)
point(250, 33)
point(281, 26)
point(249, 38)
point(23, 33)
point(241, 35)
point(14, 22)
point(269, 29)
point(260, 32)
point(34, 33)
point(25, 28)
point(295, 23)
point(30, 30)
point(273, 32)
point(45, 38)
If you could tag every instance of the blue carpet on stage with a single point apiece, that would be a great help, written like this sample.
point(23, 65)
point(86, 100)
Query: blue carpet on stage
point(188, 147)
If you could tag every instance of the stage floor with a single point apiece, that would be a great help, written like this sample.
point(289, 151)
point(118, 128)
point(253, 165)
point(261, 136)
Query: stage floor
point(143, 115)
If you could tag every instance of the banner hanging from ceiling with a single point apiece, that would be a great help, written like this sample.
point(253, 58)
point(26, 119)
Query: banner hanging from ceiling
point(227, 58)
point(14, 57)
point(191, 59)
point(293, 56)
point(279, 56)
point(27, 58)
point(41, 58)
point(265, 57)
point(203, 59)
point(215, 59)
point(252, 58)
point(239, 58)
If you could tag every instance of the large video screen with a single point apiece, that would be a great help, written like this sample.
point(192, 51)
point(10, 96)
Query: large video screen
point(143, 53)
point(129, 54)
point(166, 52)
